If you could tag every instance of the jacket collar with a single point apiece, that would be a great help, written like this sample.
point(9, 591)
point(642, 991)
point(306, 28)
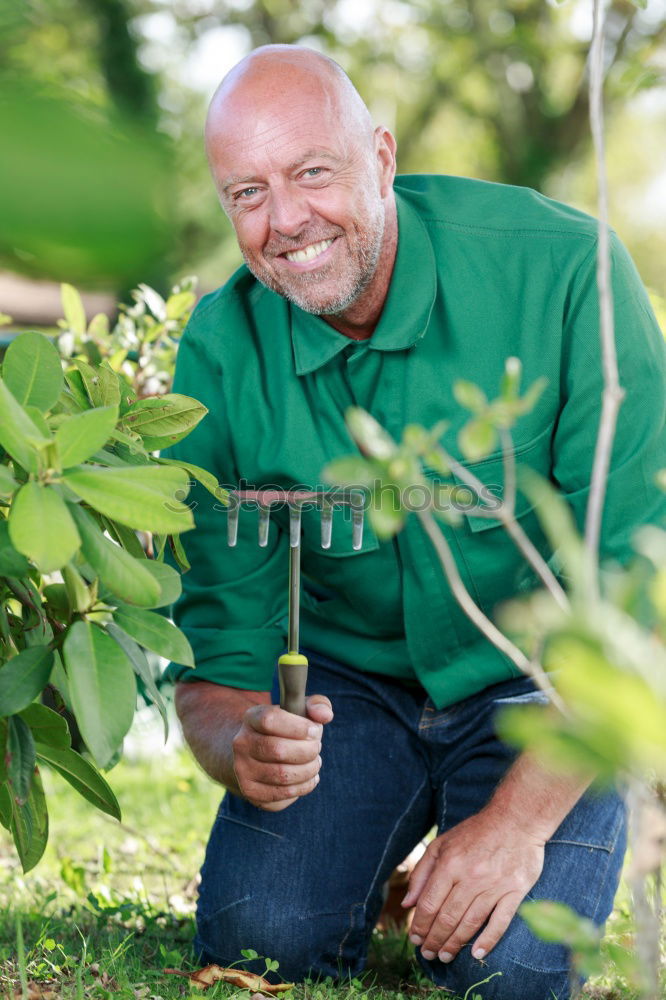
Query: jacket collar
point(406, 312)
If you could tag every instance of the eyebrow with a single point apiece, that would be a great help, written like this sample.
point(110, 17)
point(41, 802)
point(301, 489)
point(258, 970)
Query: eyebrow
point(310, 154)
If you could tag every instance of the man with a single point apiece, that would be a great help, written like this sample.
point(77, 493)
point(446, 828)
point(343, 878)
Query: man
point(359, 288)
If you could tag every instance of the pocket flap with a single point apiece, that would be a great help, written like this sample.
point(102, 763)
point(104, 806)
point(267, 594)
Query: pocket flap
point(490, 471)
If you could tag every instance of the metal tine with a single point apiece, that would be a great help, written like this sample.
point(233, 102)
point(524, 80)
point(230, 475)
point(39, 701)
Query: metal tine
point(264, 522)
point(232, 521)
point(326, 523)
point(294, 525)
point(357, 523)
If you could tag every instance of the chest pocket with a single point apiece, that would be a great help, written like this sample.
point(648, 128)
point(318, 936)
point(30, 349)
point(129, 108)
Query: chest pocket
point(535, 454)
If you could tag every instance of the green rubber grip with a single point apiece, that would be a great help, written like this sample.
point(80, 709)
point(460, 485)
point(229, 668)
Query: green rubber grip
point(293, 675)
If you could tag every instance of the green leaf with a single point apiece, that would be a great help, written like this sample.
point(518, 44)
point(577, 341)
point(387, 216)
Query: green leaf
point(30, 825)
point(125, 537)
point(155, 632)
point(164, 416)
point(23, 678)
point(179, 303)
point(6, 809)
point(77, 388)
point(72, 307)
point(558, 923)
point(531, 397)
point(154, 301)
point(368, 434)
point(39, 420)
point(47, 726)
point(19, 757)
point(510, 381)
point(7, 482)
point(81, 435)
point(386, 514)
point(470, 395)
point(351, 470)
point(142, 669)
point(78, 594)
point(32, 371)
point(179, 554)
point(101, 384)
point(55, 595)
point(41, 527)
point(557, 521)
point(81, 775)
point(12, 563)
point(206, 479)
point(124, 575)
point(477, 439)
point(19, 436)
point(102, 689)
point(147, 498)
point(98, 327)
point(168, 580)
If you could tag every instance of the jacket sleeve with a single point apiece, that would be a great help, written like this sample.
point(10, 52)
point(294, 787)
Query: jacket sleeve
point(234, 600)
point(639, 449)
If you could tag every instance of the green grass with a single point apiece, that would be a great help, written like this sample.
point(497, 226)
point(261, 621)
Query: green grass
point(111, 905)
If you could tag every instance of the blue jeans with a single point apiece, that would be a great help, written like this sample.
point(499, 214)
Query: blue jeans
point(304, 885)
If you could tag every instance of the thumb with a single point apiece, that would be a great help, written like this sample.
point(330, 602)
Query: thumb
point(418, 878)
point(319, 708)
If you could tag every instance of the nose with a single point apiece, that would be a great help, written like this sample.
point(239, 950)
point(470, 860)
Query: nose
point(289, 211)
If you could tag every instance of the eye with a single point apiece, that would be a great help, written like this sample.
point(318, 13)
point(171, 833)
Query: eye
point(245, 193)
point(312, 172)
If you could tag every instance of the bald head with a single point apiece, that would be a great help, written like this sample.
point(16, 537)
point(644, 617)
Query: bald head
point(273, 76)
point(305, 179)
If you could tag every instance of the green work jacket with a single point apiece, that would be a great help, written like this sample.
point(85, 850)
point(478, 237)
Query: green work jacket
point(483, 272)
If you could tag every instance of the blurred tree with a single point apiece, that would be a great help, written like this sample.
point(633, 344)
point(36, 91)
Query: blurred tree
point(493, 90)
point(85, 179)
point(510, 75)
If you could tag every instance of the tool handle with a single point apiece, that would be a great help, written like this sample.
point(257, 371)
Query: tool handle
point(293, 674)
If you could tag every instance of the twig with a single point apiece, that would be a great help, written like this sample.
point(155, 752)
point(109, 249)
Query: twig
point(476, 615)
point(506, 515)
point(612, 392)
point(647, 926)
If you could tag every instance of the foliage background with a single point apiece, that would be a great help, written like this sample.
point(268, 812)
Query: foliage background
point(494, 90)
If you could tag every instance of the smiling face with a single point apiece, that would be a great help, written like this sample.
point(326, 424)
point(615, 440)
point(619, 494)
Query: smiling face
point(305, 180)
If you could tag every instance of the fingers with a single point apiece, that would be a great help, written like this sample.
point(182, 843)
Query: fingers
point(420, 875)
point(501, 917)
point(319, 708)
point(455, 925)
point(271, 720)
point(275, 797)
point(277, 755)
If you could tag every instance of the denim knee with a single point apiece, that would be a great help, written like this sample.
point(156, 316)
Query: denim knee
point(547, 978)
point(307, 945)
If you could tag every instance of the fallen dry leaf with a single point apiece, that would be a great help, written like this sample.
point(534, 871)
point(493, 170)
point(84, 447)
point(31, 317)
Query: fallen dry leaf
point(236, 977)
point(36, 992)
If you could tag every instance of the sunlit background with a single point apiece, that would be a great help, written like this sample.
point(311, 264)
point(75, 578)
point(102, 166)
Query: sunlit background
point(103, 181)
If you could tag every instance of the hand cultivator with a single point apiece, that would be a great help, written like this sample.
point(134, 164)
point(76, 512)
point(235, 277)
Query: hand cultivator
point(293, 665)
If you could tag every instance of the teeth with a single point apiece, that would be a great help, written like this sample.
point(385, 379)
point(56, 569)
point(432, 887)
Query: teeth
point(309, 253)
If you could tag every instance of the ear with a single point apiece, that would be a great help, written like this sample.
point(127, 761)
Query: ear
point(385, 147)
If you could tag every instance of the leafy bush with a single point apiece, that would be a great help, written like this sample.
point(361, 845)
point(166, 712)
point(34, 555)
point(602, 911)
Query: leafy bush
point(78, 593)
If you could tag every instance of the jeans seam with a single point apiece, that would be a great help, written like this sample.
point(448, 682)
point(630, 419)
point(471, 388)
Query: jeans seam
point(389, 841)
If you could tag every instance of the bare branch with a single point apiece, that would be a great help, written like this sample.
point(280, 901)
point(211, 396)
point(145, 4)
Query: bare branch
point(506, 515)
point(612, 393)
point(475, 614)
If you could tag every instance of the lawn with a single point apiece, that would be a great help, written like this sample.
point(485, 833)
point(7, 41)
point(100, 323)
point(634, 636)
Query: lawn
point(111, 904)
